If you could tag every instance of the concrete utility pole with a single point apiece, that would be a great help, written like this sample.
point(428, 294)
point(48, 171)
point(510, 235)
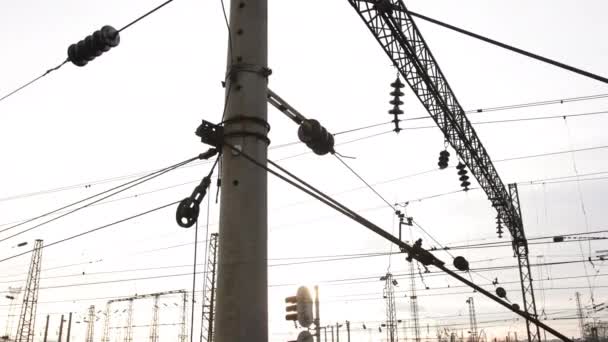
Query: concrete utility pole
point(67, 339)
point(348, 331)
point(242, 294)
point(46, 328)
point(60, 329)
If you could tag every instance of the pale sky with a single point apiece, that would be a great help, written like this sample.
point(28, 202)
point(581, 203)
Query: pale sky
point(135, 109)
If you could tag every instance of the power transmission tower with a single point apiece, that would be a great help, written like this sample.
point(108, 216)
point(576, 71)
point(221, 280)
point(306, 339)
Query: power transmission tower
point(472, 319)
point(391, 314)
point(209, 291)
point(242, 291)
point(414, 303)
point(91, 323)
point(129, 325)
point(154, 325)
point(579, 315)
point(27, 318)
point(183, 336)
point(13, 297)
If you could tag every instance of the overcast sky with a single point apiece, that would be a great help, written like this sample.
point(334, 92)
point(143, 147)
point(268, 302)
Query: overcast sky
point(136, 107)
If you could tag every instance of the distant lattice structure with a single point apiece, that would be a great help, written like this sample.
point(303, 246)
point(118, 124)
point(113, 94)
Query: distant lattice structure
point(154, 325)
point(209, 291)
point(27, 318)
point(473, 320)
point(391, 314)
point(91, 324)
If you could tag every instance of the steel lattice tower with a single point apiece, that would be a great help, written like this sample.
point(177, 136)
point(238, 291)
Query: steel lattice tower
point(129, 326)
point(414, 303)
point(579, 315)
point(472, 319)
point(391, 314)
point(91, 324)
point(154, 325)
point(209, 291)
point(27, 318)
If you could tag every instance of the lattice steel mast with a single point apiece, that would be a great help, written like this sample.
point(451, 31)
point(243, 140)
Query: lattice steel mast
point(27, 318)
point(394, 29)
point(91, 324)
point(472, 320)
point(391, 314)
point(414, 303)
point(209, 291)
point(129, 325)
point(106, 325)
point(183, 336)
point(13, 297)
point(580, 316)
point(154, 325)
point(520, 245)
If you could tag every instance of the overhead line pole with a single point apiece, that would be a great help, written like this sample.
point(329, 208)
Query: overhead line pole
point(242, 290)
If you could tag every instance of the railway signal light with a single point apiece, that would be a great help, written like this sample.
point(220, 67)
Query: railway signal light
point(316, 137)
point(444, 158)
point(93, 46)
point(464, 179)
point(396, 102)
point(299, 307)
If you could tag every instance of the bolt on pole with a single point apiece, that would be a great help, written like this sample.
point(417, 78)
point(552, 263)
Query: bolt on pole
point(242, 287)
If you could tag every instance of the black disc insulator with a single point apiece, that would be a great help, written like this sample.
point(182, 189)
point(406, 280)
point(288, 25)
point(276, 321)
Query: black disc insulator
point(93, 46)
point(395, 111)
point(501, 292)
point(396, 102)
point(465, 185)
point(460, 166)
point(397, 84)
point(187, 213)
point(316, 137)
point(444, 153)
point(464, 178)
point(462, 172)
point(461, 263)
point(397, 93)
point(442, 164)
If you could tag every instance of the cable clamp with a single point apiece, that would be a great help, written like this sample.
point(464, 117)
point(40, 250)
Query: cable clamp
point(244, 67)
point(211, 134)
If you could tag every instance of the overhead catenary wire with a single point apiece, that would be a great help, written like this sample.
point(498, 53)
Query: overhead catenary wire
point(67, 60)
point(92, 230)
point(101, 181)
point(110, 192)
point(312, 191)
point(511, 48)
